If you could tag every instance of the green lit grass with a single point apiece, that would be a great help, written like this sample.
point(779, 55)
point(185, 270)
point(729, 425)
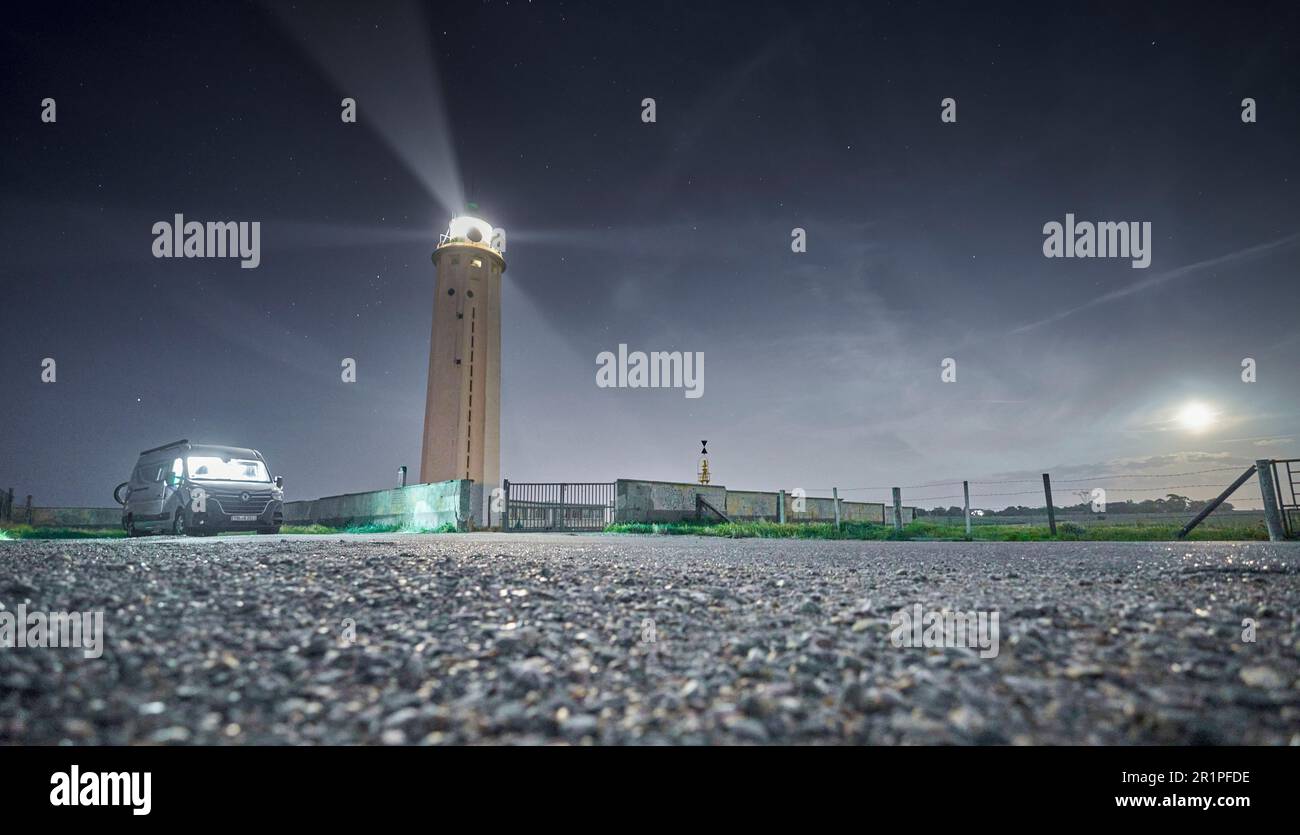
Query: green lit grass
point(761, 530)
point(10, 532)
point(308, 529)
point(929, 531)
point(919, 530)
point(15, 532)
point(325, 530)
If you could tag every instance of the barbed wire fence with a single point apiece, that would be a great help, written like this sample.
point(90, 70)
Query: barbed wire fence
point(1111, 498)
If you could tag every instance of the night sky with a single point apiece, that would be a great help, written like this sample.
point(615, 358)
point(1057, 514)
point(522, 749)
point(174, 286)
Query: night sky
point(822, 368)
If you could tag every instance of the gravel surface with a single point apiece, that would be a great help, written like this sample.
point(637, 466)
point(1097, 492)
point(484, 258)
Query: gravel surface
point(545, 638)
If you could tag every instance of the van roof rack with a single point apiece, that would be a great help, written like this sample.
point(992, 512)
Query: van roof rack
point(167, 446)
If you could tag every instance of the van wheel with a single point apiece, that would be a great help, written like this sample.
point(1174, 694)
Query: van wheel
point(269, 531)
point(131, 529)
point(178, 524)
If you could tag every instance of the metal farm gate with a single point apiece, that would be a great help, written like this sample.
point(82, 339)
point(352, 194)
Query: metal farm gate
point(558, 506)
point(1286, 480)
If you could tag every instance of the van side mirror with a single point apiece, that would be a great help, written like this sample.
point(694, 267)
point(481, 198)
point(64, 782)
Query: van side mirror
point(279, 481)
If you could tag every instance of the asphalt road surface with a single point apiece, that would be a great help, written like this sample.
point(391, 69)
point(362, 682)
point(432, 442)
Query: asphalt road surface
point(478, 638)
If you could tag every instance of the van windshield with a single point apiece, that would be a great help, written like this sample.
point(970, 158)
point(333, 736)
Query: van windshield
point(212, 468)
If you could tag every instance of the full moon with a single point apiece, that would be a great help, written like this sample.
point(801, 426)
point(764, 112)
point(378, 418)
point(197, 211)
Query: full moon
point(1196, 417)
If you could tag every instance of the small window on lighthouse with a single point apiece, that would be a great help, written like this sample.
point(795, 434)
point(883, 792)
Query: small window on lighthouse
point(476, 262)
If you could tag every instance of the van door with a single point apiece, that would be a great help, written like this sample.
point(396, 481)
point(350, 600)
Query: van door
point(173, 475)
point(135, 493)
point(146, 495)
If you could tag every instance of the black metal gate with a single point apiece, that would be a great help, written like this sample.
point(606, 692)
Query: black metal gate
point(558, 506)
point(1286, 480)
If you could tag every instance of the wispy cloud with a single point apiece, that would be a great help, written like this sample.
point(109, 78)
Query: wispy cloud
point(1169, 275)
point(1133, 465)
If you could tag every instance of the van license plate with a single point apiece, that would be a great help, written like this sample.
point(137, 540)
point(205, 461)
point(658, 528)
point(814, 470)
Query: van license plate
point(243, 518)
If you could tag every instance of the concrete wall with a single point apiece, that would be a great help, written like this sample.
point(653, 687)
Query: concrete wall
point(823, 510)
point(870, 512)
point(815, 510)
point(419, 505)
point(662, 501)
point(416, 506)
point(463, 502)
point(749, 505)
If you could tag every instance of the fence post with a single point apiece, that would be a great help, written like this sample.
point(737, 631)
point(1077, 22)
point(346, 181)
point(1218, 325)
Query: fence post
point(1272, 515)
point(560, 525)
point(835, 497)
point(505, 505)
point(965, 492)
point(1051, 511)
point(29, 508)
point(7, 505)
point(1214, 505)
point(780, 507)
point(898, 509)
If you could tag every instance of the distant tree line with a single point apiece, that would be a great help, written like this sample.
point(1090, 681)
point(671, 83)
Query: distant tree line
point(1171, 503)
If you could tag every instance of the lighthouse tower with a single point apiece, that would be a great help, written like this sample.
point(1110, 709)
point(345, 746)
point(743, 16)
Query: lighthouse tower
point(462, 412)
